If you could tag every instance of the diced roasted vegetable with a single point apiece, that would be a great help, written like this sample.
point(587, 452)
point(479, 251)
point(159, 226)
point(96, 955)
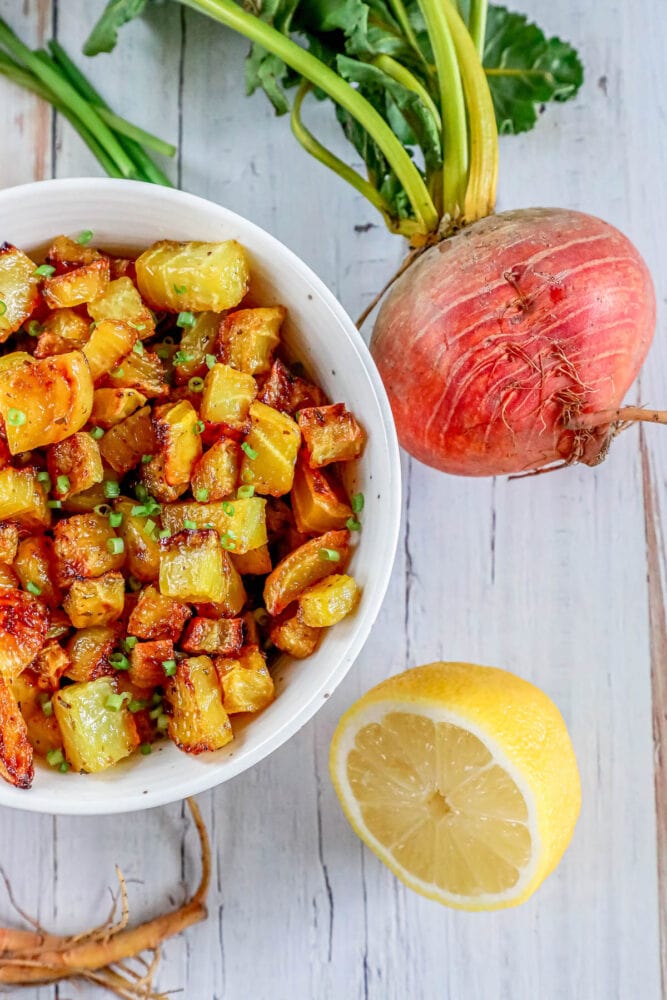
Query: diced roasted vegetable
point(49, 666)
point(143, 372)
point(16, 754)
point(9, 541)
point(59, 625)
point(191, 566)
point(97, 601)
point(24, 621)
point(270, 451)
point(124, 445)
point(247, 338)
point(157, 616)
point(120, 300)
point(196, 342)
point(227, 396)
point(177, 432)
point(110, 406)
point(154, 479)
point(234, 595)
point(35, 566)
point(147, 661)
point(256, 562)
point(142, 549)
point(240, 523)
point(198, 721)
point(318, 506)
point(45, 401)
point(18, 289)
point(110, 341)
point(215, 475)
point(290, 634)
point(62, 331)
point(312, 561)
point(42, 728)
point(329, 601)
point(74, 464)
point(201, 277)
point(331, 434)
point(247, 685)
point(287, 392)
point(8, 577)
point(74, 288)
point(65, 253)
point(23, 499)
point(88, 500)
point(85, 546)
point(89, 650)
point(217, 636)
point(95, 735)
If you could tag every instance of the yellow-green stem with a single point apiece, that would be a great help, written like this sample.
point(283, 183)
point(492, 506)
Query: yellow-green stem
point(408, 80)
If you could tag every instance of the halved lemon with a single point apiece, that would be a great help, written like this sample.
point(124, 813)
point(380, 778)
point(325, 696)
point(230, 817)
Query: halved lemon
point(462, 779)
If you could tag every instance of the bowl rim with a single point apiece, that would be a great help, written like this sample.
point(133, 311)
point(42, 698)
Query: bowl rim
point(183, 787)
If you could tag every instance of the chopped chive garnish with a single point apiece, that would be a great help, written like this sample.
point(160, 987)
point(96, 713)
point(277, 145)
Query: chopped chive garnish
point(45, 479)
point(164, 533)
point(134, 584)
point(189, 525)
point(33, 588)
point(352, 524)
point(155, 712)
point(119, 661)
point(16, 417)
point(245, 492)
point(182, 357)
point(228, 508)
point(64, 767)
point(246, 475)
point(55, 757)
point(129, 642)
point(44, 271)
point(169, 667)
point(357, 503)
point(201, 495)
point(140, 492)
point(145, 749)
point(145, 459)
point(62, 484)
point(210, 360)
point(47, 706)
point(139, 510)
point(85, 237)
point(115, 519)
point(227, 542)
point(138, 348)
point(34, 329)
point(185, 319)
point(162, 353)
point(156, 699)
point(118, 373)
point(96, 433)
point(114, 702)
point(330, 555)
point(180, 289)
point(54, 504)
point(3, 308)
point(162, 723)
point(137, 704)
point(150, 527)
point(199, 427)
point(250, 452)
point(111, 489)
point(195, 384)
point(209, 525)
point(115, 546)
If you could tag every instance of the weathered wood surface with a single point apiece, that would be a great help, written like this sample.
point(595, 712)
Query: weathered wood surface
point(559, 577)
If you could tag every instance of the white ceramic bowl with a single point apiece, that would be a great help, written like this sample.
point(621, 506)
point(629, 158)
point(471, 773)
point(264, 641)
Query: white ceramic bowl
point(126, 215)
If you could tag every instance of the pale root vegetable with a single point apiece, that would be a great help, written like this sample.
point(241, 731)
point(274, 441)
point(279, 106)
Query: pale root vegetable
point(500, 345)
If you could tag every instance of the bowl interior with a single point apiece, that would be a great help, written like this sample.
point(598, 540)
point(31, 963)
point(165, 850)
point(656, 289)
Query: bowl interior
point(128, 216)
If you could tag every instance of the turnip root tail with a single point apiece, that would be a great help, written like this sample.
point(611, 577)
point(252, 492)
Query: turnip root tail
point(101, 955)
point(622, 415)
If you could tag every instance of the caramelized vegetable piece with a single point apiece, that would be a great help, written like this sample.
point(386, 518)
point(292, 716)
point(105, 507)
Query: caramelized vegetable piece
point(257, 562)
point(271, 448)
point(110, 341)
point(191, 566)
point(84, 547)
point(65, 253)
point(23, 498)
point(157, 616)
point(49, 666)
point(198, 721)
point(8, 577)
point(124, 445)
point(247, 685)
point(18, 289)
point(196, 342)
point(329, 601)
point(89, 650)
point(247, 338)
point(288, 392)
point(24, 621)
point(63, 330)
point(176, 429)
point(303, 567)
point(98, 601)
point(9, 541)
point(331, 434)
point(43, 732)
point(142, 549)
point(146, 662)
point(59, 625)
point(221, 636)
point(120, 300)
point(16, 754)
point(233, 596)
point(35, 566)
point(143, 372)
point(74, 288)
point(194, 276)
point(317, 505)
point(227, 396)
point(74, 464)
point(86, 501)
point(153, 477)
point(110, 406)
point(95, 736)
point(43, 402)
point(241, 523)
point(216, 473)
point(290, 634)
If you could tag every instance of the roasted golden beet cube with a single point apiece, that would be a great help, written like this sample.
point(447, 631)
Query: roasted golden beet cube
point(9, 541)
point(240, 523)
point(318, 506)
point(89, 650)
point(24, 621)
point(84, 547)
point(198, 721)
point(196, 342)
point(234, 595)
point(95, 735)
point(73, 288)
point(18, 289)
point(191, 566)
point(16, 755)
point(8, 577)
point(142, 549)
point(329, 601)
point(109, 342)
point(331, 434)
point(147, 661)
point(256, 562)
point(42, 729)
point(124, 445)
point(247, 338)
point(157, 616)
point(62, 331)
point(43, 402)
point(65, 253)
point(88, 500)
point(217, 471)
point(176, 430)
point(290, 634)
point(49, 665)
point(143, 372)
point(247, 685)
point(110, 406)
point(303, 567)
point(153, 477)
point(23, 498)
point(193, 276)
point(120, 300)
point(35, 565)
point(75, 464)
point(219, 636)
point(287, 392)
point(59, 626)
point(96, 601)
point(270, 450)
point(227, 396)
